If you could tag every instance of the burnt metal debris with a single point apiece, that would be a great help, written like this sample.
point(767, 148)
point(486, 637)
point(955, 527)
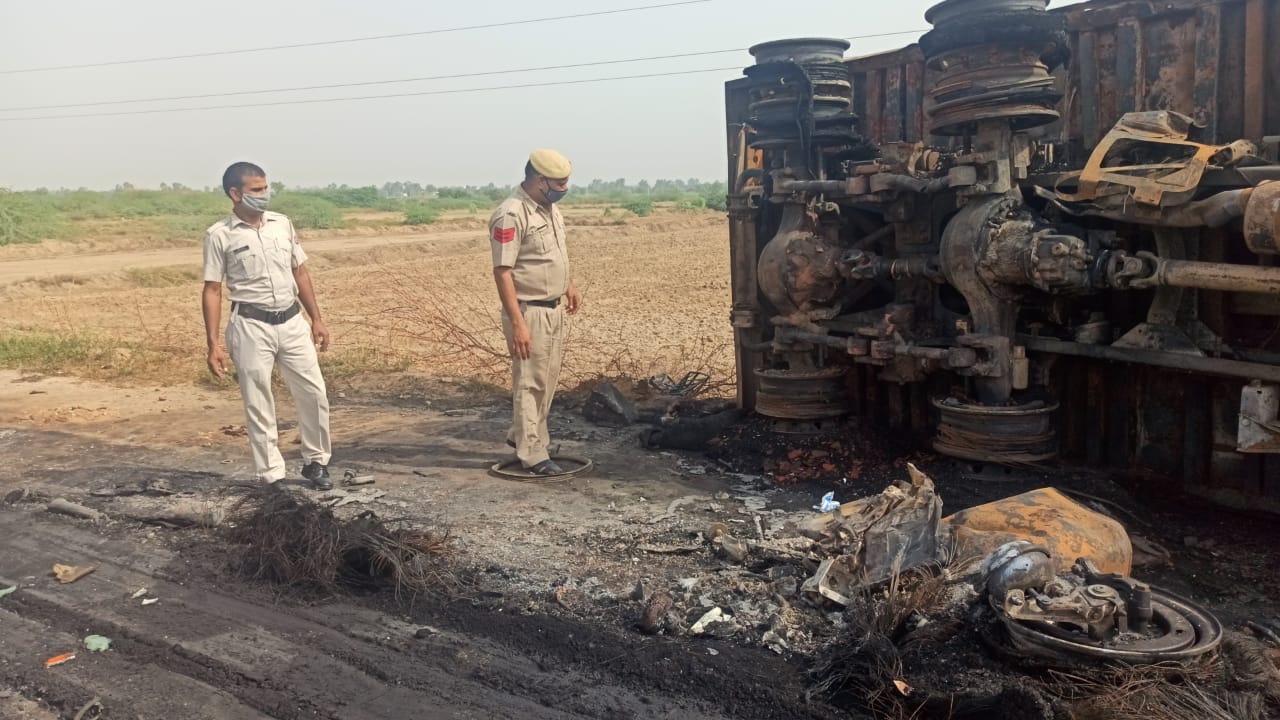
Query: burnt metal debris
point(1052, 575)
point(1085, 615)
point(949, 240)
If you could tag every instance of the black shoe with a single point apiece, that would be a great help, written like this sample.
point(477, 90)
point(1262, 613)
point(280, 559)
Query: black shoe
point(318, 475)
point(547, 467)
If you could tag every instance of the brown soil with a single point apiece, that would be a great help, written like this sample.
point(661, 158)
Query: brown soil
point(540, 620)
point(656, 294)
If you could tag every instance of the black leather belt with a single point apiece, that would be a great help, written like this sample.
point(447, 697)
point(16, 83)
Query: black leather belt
point(271, 317)
point(543, 303)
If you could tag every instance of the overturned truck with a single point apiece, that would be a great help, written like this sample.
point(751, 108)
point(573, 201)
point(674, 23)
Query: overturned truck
point(1035, 233)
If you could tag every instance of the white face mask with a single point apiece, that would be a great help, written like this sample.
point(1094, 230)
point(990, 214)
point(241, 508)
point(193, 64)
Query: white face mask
point(256, 203)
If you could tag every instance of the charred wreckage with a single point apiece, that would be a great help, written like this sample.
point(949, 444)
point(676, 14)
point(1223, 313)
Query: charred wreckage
point(949, 240)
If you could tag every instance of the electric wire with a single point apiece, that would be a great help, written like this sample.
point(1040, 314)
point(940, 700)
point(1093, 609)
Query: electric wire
point(311, 101)
point(425, 78)
point(322, 43)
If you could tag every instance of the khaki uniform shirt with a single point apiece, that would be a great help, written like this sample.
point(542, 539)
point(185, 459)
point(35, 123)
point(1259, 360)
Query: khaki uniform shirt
point(530, 241)
point(257, 262)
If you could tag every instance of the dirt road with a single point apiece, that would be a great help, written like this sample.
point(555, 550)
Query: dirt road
point(542, 622)
point(217, 647)
point(230, 652)
point(13, 271)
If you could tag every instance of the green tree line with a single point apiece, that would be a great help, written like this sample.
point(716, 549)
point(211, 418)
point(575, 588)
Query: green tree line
point(32, 216)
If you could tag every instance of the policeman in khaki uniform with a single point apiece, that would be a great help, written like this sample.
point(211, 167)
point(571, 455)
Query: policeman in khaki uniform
point(259, 254)
point(531, 269)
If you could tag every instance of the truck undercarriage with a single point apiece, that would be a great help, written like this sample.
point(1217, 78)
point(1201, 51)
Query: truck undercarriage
point(1033, 234)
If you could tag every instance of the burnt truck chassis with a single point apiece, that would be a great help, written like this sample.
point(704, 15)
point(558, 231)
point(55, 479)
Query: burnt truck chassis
point(998, 288)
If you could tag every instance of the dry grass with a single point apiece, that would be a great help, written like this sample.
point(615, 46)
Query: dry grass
point(418, 304)
point(169, 276)
point(59, 282)
point(288, 539)
point(614, 357)
point(455, 328)
point(442, 324)
point(879, 646)
point(1240, 683)
point(861, 665)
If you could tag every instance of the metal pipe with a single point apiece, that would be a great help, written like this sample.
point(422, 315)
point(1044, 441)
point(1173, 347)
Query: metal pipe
point(887, 181)
point(864, 265)
point(954, 357)
point(1220, 209)
point(879, 182)
point(1213, 212)
point(875, 237)
point(1157, 358)
point(817, 186)
point(1217, 276)
point(789, 335)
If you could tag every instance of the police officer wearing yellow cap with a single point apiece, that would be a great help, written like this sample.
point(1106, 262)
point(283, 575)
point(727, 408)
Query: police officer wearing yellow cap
point(531, 269)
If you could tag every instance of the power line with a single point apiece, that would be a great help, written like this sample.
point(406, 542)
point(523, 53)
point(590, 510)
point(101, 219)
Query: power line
point(320, 43)
point(414, 79)
point(367, 97)
point(365, 83)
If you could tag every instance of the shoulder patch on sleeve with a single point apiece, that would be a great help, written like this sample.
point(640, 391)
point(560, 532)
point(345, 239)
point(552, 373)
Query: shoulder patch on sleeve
point(504, 229)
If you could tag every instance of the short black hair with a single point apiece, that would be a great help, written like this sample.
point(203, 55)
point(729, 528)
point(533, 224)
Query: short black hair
point(528, 170)
point(237, 172)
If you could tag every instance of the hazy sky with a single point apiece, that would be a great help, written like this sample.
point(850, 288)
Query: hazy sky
point(650, 128)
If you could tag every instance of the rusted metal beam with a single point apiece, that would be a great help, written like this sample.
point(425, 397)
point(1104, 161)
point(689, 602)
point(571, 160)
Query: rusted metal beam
point(873, 121)
point(1087, 105)
point(1196, 438)
point(743, 249)
point(914, 102)
point(1255, 69)
point(1173, 361)
point(1169, 59)
point(1120, 387)
point(891, 59)
point(1094, 400)
point(893, 104)
point(1130, 95)
point(1207, 67)
point(1095, 15)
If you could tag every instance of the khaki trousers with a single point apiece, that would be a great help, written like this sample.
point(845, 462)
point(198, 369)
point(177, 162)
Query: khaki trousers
point(533, 381)
point(255, 347)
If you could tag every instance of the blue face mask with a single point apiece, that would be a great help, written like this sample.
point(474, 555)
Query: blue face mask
point(555, 196)
point(256, 203)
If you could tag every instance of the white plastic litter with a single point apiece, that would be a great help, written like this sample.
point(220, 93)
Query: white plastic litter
point(828, 503)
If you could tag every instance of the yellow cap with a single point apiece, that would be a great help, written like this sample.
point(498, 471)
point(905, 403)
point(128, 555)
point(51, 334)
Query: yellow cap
point(551, 164)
